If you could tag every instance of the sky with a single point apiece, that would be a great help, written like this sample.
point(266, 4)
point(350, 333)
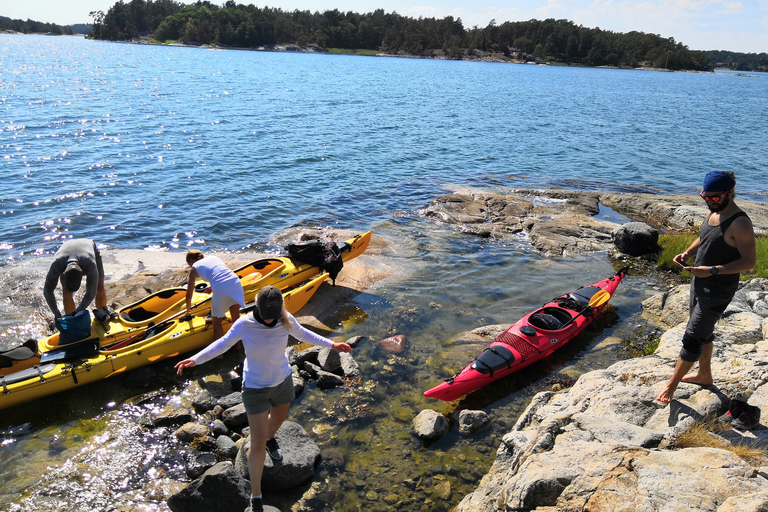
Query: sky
point(738, 26)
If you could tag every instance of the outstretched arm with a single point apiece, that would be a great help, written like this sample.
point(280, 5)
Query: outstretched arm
point(51, 280)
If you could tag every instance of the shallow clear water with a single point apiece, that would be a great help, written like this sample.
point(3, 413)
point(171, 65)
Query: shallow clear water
point(142, 147)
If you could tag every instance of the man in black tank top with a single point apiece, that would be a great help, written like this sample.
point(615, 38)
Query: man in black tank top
point(725, 247)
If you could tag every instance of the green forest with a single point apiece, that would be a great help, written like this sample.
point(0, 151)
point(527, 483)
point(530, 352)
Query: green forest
point(33, 27)
point(246, 26)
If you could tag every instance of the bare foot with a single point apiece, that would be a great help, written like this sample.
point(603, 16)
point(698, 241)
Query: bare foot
point(701, 380)
point(666, 394)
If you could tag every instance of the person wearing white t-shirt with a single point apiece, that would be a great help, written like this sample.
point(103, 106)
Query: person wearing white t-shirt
point(224, 284)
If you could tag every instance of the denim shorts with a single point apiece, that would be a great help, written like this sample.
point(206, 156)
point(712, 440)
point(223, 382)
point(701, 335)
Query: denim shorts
point(259, 400)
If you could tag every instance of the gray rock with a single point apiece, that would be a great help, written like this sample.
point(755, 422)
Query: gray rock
point(349, 366)
point(588, 447)
point(298, 382)
point(430, 425)
point(227, 447)
point(293, 355)
point(355, 341)
point(301, 456)
point(230, 400)
point(308, 356)
point(312, 369)
point(198, 463)
point(203, 401)
point(613, 431)
point(191, 431)
point(219, 488)
point(218, 428)
point(235, 417)
point(472, 421)
point(329, 360)
point(585, 204)
point(636, 238)
point(173, 414)
point(327, 380)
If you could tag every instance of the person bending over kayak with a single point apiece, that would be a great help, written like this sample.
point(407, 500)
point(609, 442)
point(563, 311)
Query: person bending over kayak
point(725, 247)
point(267, 383)
point(224, 284)
point(73, 259)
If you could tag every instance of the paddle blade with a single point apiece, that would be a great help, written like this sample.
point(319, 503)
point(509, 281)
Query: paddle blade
point(599, 298)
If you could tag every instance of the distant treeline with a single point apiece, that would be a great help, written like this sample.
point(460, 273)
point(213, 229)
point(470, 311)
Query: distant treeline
point(247, 26)
point(37, 27)
point(738, 61)
point(33, 27)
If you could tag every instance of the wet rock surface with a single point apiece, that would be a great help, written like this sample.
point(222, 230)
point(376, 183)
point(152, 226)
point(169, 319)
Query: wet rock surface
point(566, 223)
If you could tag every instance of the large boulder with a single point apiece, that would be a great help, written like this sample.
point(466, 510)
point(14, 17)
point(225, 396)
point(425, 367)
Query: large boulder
point(220, 488)
point(636, 238)
point(301, 456)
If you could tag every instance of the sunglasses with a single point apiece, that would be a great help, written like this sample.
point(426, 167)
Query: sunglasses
point(713, 198)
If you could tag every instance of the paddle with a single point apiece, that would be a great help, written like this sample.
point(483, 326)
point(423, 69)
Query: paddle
point(597, 300)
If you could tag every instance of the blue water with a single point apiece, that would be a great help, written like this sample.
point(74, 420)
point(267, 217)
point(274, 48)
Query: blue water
point(140, 146)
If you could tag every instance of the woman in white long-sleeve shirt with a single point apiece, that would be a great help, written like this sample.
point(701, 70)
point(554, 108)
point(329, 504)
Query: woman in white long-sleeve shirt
point(267, 383)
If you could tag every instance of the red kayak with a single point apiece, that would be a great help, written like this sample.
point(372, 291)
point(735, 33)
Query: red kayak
point(534, 337)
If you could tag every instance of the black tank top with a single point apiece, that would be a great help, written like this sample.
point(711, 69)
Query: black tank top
point(713, 250)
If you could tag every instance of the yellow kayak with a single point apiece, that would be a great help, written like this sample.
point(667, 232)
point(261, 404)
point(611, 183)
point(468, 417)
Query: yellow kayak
point(282, 272)
point(103, 356)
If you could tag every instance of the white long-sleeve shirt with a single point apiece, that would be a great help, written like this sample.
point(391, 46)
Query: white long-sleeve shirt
point(266, 364)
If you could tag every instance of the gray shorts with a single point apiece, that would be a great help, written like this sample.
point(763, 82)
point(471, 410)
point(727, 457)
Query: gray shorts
point(259, 400)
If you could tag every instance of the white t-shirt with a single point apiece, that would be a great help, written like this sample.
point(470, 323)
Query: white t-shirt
point(266, 364)
point(221, 278)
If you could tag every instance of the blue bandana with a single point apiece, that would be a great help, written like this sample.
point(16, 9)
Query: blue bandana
point(718, 181)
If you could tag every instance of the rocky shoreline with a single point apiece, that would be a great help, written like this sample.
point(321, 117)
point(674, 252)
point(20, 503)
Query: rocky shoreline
point(603, 444)
point(562, 223)
point(606, 444)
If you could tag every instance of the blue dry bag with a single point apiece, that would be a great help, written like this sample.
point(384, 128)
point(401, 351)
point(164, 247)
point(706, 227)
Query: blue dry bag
point(74, 327)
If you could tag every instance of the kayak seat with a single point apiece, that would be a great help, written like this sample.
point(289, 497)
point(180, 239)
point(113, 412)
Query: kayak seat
point(493, 358)
point(137, 315)
point(584, 295)
point(20, 353)
point(550, 319)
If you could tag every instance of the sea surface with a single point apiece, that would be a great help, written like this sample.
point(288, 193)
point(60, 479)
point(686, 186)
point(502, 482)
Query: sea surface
point(160, 149)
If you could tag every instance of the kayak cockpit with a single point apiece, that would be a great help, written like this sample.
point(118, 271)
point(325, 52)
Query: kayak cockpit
point(550, 319)
point(492, 359)
point(584, 295)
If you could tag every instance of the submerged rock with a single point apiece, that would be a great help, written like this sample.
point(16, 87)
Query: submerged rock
point(472, 421)
point(393, 344)
point(430, 425)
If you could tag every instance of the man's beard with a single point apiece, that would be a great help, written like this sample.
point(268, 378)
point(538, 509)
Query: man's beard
point(720, 205)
